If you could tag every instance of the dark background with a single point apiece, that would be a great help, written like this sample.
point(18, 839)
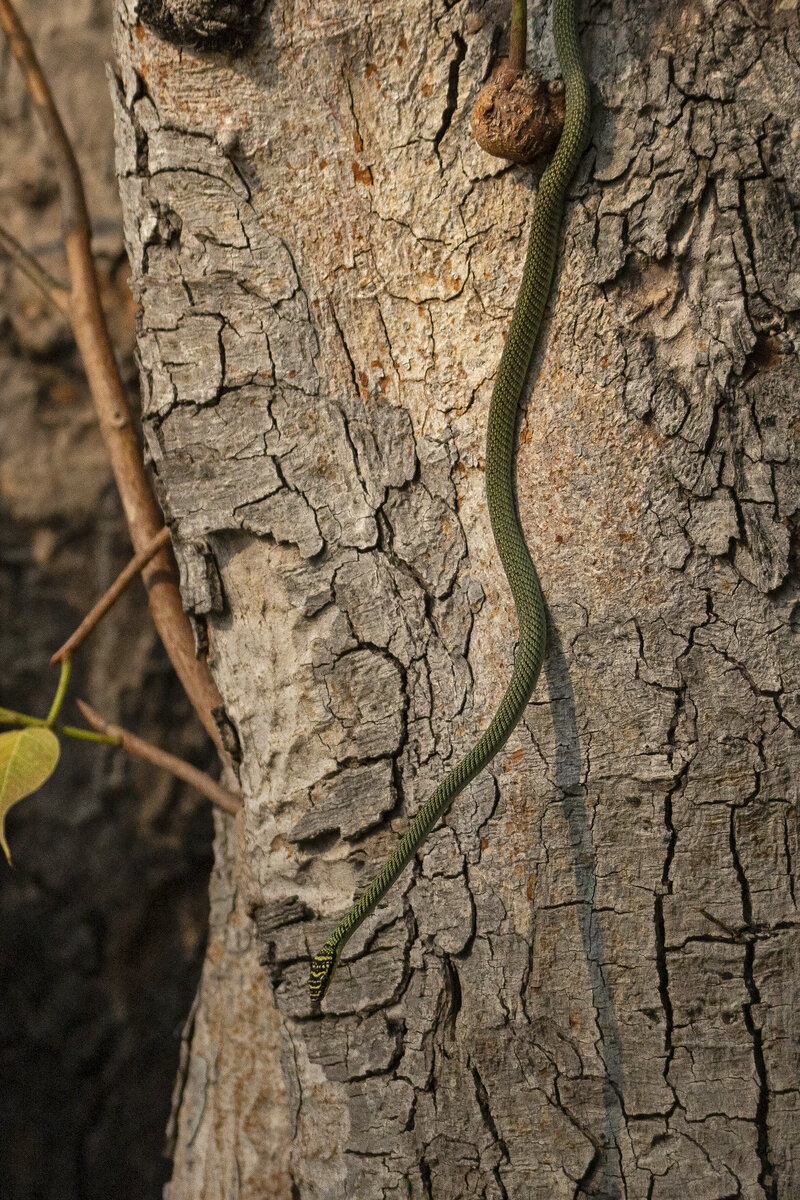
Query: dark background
point(102, 922)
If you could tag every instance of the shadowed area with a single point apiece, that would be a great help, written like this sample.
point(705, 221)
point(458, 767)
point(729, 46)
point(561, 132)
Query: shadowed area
point(103, 920)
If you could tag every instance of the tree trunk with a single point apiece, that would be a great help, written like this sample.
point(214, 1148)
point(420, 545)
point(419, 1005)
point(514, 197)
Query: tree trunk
point(587, 984)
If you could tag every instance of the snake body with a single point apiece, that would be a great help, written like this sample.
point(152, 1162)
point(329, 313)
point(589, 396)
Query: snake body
point(523, 580)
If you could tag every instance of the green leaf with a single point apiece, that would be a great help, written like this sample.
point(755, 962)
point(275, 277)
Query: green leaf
point(28, 757)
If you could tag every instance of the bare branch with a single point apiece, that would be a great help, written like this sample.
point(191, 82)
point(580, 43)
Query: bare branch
point(109, 599)
point(57, 295)
point(229, 801)
point(91, 334)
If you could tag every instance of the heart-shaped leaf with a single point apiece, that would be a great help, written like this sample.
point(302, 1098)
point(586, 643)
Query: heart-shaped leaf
point(27, 758)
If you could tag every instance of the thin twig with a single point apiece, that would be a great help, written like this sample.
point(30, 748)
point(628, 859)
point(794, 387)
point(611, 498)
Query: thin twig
point(716, 921)
point(91, 334)
point(107, 601)
point(61, 691)
point(518, 42)
point(57, 295)
point(219, 795)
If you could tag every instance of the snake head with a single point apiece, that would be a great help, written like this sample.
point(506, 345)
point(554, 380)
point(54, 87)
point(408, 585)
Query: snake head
point(322, 968)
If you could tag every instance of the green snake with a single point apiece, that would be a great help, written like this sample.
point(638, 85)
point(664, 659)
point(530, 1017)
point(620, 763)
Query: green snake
point(523, 580)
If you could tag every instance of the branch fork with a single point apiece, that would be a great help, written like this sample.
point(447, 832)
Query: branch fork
point(80, 302)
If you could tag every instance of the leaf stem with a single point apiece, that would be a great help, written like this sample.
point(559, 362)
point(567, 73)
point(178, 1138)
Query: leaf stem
point(86, 735)
point(61, 691)
point(9, 717)
point(518, 41)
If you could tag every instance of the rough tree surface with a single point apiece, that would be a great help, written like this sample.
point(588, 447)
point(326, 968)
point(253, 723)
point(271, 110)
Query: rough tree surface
point(102, 921)
point(587, 985)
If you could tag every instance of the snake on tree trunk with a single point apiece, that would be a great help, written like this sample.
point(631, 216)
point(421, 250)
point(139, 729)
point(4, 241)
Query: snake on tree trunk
point(523, 580)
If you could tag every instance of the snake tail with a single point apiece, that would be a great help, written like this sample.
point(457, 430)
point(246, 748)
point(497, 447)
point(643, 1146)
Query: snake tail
point(522, 578)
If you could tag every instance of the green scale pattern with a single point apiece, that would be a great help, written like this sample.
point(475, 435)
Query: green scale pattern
point(523, 580)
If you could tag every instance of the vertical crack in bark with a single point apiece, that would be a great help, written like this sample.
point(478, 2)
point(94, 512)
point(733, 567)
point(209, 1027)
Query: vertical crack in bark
point(661, 954)
point(482, 1097)
point(452, 91)
point(452, 995)
point(766, 1175)
point(588, 1174)
point(787, 849)
point(425, 1176)
point(345, 347)
point(665, 890)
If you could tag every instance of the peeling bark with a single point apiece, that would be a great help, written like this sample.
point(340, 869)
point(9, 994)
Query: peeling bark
point(587, 984)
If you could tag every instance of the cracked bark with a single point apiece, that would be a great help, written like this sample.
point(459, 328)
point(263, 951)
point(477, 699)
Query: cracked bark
point(586, 986)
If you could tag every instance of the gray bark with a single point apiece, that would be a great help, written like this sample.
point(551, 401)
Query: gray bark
point(587, 984)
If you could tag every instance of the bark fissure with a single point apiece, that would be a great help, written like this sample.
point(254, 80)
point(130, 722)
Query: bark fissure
point(766, 1177)
point(452, 90)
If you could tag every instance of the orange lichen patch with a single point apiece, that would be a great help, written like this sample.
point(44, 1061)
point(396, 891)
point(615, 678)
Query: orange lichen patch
point(452, 282)
point(362, 174)
point(530, 887)
point(403, 42)
point(326, 468)
point(357, 142)
point(139, 31)
point(426, 90)
point(370, 69)
point(484, 843)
